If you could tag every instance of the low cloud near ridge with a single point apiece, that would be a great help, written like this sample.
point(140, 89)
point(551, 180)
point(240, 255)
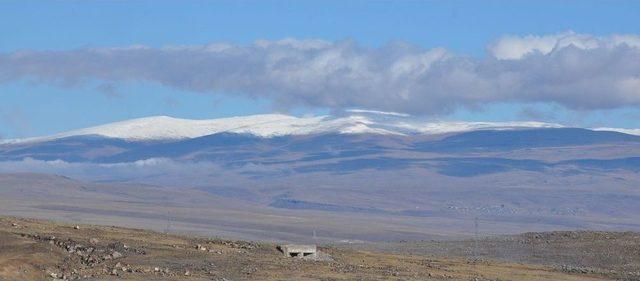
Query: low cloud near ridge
point(142, 170)
point(576, 71)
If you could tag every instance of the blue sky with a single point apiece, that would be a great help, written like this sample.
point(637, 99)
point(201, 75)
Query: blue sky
point(31, 107)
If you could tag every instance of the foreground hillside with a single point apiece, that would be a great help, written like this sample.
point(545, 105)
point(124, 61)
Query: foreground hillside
point(41, 250)
point(612, 254)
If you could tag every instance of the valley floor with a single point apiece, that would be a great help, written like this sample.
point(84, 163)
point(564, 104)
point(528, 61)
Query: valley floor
point(43, 250)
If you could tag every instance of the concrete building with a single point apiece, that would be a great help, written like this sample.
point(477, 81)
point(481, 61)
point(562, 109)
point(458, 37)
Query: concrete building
point(299, 251)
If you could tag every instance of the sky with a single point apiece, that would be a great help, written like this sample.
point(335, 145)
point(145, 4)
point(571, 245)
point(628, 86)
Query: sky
point(71, 64)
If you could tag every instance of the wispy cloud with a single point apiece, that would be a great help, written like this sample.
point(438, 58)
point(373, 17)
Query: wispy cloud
point(576, 71)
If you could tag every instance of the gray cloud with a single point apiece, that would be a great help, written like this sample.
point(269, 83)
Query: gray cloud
point(572, 70)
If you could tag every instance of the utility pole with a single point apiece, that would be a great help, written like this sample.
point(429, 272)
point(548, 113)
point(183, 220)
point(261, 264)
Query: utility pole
point(476, 237)
point(168, 217)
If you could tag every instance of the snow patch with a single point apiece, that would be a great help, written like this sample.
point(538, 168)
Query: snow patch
point(635, 132)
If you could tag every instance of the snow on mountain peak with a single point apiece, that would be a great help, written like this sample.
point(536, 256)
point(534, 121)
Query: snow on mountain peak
point(164, 127)
point(271, 125)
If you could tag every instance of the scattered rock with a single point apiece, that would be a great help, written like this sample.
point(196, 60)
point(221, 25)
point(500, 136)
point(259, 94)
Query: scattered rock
point(248, 270)
point(322, 256)
point(116, 255)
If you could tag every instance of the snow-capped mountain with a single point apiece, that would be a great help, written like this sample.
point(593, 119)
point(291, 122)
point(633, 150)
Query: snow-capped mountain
point(367, 162)
point(272, 125)
point(360, 161)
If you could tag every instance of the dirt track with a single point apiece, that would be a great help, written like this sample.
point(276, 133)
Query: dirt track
point(40, 250)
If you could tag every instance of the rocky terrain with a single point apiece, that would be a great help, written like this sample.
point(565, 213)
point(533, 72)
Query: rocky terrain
point(44, 250)
point(612, 254)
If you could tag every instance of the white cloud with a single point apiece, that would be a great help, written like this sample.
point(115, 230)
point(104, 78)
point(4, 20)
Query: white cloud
point(516, 47)
point(576, 71)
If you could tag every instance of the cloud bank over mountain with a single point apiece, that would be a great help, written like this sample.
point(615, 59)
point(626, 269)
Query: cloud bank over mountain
point(577, 71)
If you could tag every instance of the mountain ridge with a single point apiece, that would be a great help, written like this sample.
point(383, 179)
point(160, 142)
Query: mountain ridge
point(274, 125)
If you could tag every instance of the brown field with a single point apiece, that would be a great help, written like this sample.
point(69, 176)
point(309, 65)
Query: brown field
point(42, 250)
